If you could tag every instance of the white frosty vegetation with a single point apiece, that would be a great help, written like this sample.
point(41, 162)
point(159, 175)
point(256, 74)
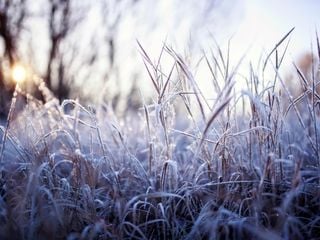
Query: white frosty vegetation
point(181, 168)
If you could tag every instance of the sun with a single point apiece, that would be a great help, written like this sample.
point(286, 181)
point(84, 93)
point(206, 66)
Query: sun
point(18, 73)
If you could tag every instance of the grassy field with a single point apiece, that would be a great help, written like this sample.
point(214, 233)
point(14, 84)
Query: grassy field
point(244, 166)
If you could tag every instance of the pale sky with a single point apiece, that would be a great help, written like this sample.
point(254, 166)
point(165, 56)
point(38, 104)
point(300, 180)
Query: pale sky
point(189, 27)
point(256, 25)
point(265, 22)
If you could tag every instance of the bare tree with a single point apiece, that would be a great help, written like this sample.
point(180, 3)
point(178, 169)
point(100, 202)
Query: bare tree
point(60, 25)
point(65, 60)
point(12, 16)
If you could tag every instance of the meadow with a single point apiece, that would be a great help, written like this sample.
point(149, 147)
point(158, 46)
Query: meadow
point(242, 165)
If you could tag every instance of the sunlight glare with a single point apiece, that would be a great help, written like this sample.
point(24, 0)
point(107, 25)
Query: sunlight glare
point(18, 73)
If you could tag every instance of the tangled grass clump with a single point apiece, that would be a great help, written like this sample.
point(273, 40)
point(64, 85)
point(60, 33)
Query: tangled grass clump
point(68, 172)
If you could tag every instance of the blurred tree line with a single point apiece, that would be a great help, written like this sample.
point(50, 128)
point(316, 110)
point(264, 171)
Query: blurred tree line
point(64, 62)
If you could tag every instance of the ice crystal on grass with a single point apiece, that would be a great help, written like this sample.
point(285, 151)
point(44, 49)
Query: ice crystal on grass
point(70, 172)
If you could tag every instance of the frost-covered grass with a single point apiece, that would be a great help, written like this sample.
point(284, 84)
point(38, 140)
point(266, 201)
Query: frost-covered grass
point(180, 168)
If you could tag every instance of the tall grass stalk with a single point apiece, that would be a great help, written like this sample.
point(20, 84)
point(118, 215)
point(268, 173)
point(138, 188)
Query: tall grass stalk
point(182, 168)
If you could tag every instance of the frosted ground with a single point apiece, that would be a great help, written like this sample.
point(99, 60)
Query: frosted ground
point(244, 165)
point(230, 163)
